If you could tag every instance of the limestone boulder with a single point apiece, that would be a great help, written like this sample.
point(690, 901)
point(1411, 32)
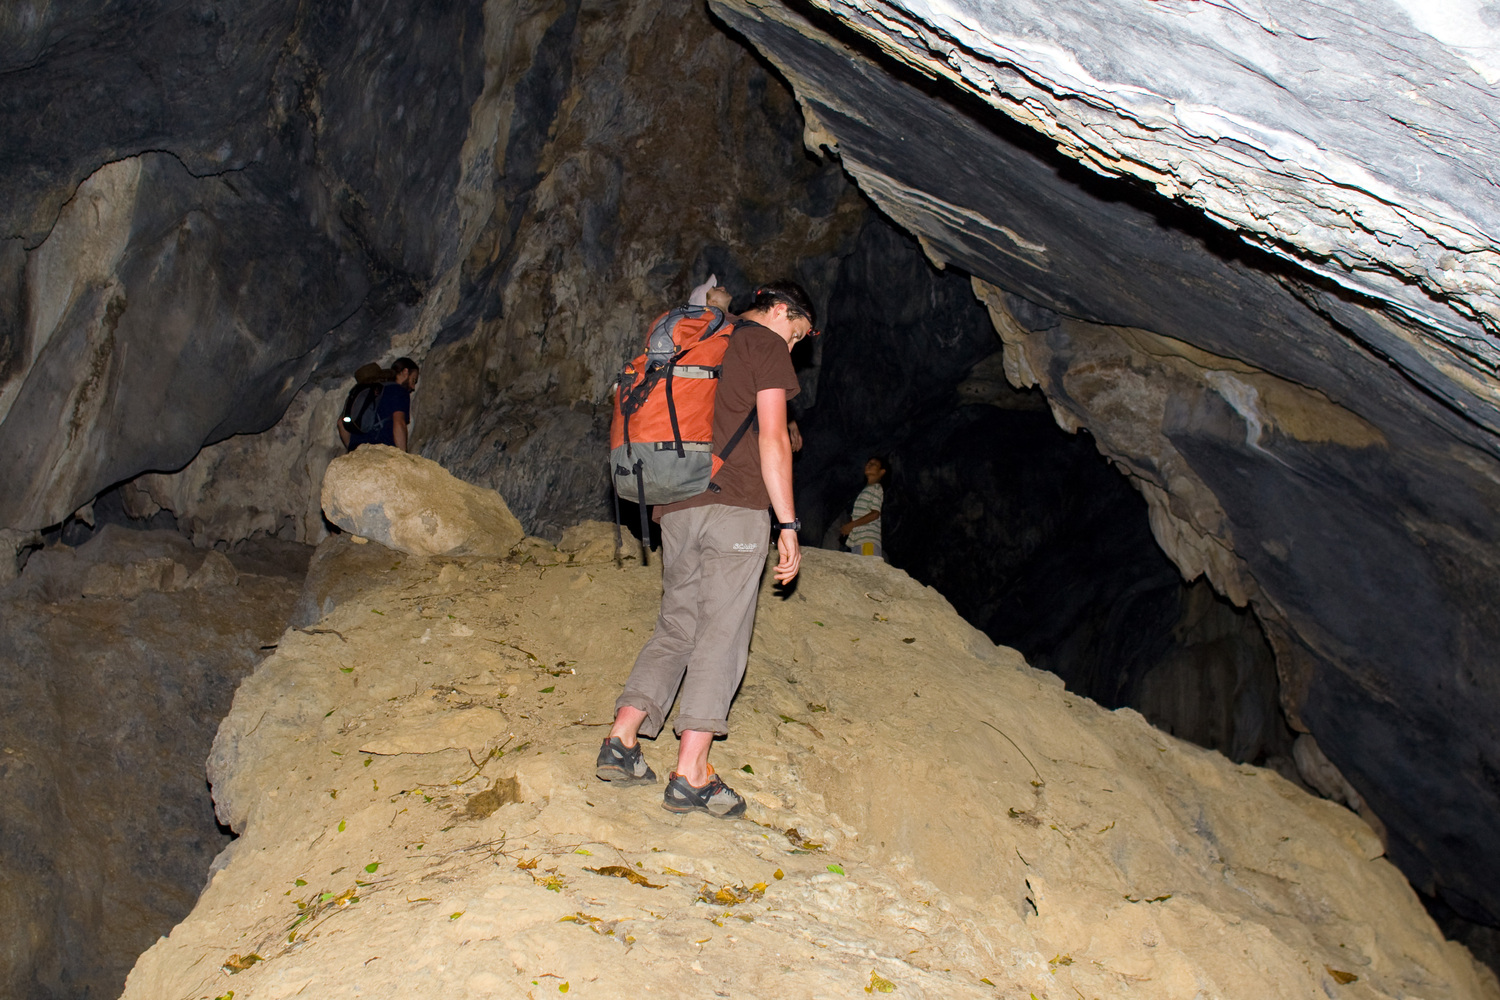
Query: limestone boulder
point(412, 504)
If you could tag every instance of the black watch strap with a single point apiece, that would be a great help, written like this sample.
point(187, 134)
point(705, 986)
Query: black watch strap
point(795, 524)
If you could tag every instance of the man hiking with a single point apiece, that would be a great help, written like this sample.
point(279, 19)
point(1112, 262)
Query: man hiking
point(713, 556)
point(392, 410)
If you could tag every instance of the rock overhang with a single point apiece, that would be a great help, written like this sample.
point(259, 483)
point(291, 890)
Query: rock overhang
point(1371, 561)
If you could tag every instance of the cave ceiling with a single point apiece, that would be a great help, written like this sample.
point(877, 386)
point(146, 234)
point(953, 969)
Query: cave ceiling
point(1248, 246)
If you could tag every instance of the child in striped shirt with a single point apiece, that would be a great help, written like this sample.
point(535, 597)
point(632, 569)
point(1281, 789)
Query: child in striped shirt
point(862, 534)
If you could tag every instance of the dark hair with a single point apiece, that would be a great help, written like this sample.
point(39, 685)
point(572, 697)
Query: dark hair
point(404, 365)
point(793, 295)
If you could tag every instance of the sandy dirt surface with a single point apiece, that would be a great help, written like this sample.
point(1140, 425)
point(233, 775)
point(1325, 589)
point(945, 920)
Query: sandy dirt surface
point(412, 779)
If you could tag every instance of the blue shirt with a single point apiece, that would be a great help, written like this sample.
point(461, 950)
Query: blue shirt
point(394, 398)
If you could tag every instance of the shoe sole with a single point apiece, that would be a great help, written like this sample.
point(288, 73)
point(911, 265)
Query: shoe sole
point(620, 776)
point(682, 808)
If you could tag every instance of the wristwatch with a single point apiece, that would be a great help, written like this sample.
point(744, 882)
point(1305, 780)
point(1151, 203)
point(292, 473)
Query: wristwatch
point(795, 524)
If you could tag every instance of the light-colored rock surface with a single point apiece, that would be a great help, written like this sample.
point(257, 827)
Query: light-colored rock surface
point(414, 505)
point(121, 563)
point(253, 484)
point(1337, 135)
point(412, 782)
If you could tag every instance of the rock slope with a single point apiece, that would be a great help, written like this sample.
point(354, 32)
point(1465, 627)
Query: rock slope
point(412, 784)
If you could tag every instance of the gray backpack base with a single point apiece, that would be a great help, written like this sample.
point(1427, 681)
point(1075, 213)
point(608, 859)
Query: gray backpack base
point(653, 474)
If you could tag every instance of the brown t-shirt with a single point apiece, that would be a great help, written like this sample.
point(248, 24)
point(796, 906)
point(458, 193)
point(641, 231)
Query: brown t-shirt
point(756, 359)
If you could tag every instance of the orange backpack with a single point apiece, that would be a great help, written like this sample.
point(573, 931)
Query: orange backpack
point(661, 437)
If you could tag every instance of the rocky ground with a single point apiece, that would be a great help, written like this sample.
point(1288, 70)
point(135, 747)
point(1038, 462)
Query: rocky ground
point(412, 781)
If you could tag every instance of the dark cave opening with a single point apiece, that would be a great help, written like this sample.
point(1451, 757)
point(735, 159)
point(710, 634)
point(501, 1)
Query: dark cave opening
point(1029, 532)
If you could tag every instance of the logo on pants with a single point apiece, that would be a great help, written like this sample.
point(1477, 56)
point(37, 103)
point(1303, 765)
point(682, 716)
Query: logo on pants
point(745, 546)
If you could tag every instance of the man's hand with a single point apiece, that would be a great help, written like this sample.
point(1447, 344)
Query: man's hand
point(795, 434)
point(791, 555)
point(845, 528)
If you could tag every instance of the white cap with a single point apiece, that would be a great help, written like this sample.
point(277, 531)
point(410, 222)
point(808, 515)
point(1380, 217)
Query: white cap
point(699, 297)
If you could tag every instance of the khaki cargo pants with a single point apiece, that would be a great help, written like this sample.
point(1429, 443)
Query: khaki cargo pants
point(712, 561)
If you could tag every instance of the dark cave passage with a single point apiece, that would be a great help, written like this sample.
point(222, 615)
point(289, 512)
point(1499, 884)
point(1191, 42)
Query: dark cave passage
point(1031, 534)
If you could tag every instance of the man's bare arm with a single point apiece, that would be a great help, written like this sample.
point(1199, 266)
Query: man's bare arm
point(776, 471)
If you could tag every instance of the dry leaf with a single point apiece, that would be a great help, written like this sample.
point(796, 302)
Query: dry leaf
point(799, 842)
point(239, 963)
point(1341, 977)
point(731, 895)
point(878, 984)
point(628, 874)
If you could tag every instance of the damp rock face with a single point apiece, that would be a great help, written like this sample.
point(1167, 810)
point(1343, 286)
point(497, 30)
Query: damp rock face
point(1275, 310)
point(412, 504)
point(194, 226)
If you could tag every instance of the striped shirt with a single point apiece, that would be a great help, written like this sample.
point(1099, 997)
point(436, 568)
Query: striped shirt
point(872, 497)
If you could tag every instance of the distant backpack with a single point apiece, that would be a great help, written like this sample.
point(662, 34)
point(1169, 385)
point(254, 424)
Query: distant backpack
point(362, 406)
point(661, 437)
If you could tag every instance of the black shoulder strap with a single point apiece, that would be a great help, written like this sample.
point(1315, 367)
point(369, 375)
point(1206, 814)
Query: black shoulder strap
point(744, 428)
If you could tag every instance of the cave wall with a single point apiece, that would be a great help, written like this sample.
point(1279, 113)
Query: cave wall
point(566, 171)
point(1311, 422)
point(213, 215)
point(120, 657)
point(669, 153)
point(207, 210)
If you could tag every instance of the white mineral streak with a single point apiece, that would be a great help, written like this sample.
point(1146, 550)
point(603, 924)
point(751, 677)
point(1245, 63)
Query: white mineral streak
point(913, 209)
point(1468, 27)
point(1230, 108)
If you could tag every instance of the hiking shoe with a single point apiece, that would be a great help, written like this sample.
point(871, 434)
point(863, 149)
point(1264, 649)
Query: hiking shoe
point(715, 797)
point(623, 765)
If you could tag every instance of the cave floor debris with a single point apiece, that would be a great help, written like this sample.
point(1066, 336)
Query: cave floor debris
point(413, 782)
